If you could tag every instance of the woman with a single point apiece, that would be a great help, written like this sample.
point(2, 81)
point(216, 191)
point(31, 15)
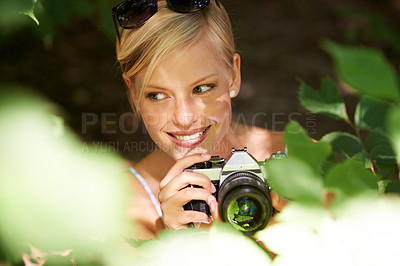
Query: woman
point(180, 66)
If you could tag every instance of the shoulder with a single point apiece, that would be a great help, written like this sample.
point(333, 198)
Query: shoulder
point(260, 142)
point(141, 210)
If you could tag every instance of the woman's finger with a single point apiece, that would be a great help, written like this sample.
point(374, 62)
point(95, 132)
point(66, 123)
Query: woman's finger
point(182, 219)
point(214, 208)
point(183, 180)
point(181, 165)
point(185, 195)
point(278, 202)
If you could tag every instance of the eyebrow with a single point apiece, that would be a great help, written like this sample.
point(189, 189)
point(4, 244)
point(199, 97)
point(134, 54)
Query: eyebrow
point(204, 78)
point(193, 84)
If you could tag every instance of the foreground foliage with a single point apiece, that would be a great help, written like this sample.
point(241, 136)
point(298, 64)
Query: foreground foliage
point(343, 188)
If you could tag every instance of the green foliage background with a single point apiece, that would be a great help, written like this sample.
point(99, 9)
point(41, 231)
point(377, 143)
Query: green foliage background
point(343, 187)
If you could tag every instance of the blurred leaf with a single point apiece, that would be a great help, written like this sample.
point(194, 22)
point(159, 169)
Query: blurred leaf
point(308, 215)
point(330, 161)
point(364, 158)
point(351, 178)
point(343, 143)
point(31, 14)
point(381, 153)
point(136, 242)
point(176, 248)
point(11, 12)
point(393, 186)
point(386, 171)
point(365, 25)
point(393, 125)
point(348, 236)
point(366, 70)
point(286, 238)
point(58, 260)
point(294, 180)
point(375, 138)
point(304, 148)
point(371, 113)
point(54, 194)
point(326, 101)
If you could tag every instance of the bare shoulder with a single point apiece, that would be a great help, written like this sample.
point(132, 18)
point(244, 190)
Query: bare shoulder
point(260, 142)
point(142, 212)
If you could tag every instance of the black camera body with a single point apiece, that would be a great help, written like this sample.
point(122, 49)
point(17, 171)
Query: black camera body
point(243, 193)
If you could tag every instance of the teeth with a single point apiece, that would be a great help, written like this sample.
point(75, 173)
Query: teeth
point(190, 137)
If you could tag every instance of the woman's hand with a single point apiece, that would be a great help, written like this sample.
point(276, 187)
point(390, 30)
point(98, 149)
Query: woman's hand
point(174, 193)
point(278, 202)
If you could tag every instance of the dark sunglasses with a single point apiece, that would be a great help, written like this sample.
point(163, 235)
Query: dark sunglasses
point(134, 13)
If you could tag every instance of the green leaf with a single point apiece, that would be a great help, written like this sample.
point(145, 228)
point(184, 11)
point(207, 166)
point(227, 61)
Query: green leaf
point(365, 70)
point(393, 186)
point(343, 143)
point(177, 248)
point(384, 154)
point(295, 180)
point(326, 101)
point(370, 113)
point(31, 14)
point(12, 13)
point(304, 148)
point(351, 178)
point(385, 170)
point(393, 124)
point(54, 193)
point(376, 137)
point(381, 153)
point(364, 158)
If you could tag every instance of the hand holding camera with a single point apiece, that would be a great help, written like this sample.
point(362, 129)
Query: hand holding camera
point(242, 192)
point(174, 193)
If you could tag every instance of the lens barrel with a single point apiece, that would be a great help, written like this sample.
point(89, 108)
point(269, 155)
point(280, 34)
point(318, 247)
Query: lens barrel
point(245, 202)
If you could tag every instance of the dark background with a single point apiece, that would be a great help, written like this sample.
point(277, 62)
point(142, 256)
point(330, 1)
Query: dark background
point(71, 60)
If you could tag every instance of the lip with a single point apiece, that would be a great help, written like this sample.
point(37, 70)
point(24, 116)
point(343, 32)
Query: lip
point(189, 143)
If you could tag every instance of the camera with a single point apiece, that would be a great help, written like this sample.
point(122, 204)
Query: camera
point(242, 192)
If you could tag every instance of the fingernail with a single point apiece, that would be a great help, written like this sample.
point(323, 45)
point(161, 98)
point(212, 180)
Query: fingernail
point(213, 189)
point(212, 206)
point(206, 222)
point(205, 155)
point(210, 201)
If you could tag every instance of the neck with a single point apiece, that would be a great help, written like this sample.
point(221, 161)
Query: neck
point(230, 140)
point(157, 164)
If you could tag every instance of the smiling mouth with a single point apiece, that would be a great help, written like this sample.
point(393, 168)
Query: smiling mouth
point(189, 140)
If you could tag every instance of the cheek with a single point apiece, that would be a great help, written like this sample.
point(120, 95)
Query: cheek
point(153, 119)
point(219, 109)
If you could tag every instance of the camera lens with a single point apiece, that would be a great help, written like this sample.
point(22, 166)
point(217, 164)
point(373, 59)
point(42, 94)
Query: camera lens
point(245, 202)
point(246, 209)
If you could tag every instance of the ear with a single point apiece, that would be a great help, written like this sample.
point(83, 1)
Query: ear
point(131, 88)
point(236, 77)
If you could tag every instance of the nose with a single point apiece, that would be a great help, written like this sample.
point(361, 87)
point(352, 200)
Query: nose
point(185, 113)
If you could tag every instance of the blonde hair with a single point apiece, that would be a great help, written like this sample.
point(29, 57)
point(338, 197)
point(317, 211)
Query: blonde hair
point(168, 31)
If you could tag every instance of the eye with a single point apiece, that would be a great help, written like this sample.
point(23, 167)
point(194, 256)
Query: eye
point(155, 96)
point(203, 88)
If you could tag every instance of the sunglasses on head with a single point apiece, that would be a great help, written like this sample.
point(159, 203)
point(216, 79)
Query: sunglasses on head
point(134, 13)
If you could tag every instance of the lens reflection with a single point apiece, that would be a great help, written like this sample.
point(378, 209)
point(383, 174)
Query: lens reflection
point(244, 213)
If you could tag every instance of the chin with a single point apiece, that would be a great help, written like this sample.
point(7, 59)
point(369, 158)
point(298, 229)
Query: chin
point(184, 152)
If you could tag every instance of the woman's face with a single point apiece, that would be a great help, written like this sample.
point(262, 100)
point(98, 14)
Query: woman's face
point(186, 106)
